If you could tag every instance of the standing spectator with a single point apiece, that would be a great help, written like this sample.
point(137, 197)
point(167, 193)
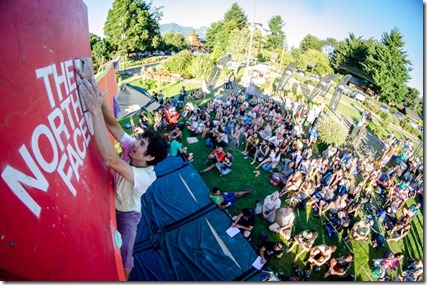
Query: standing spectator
point(181, 97)
point(268, 207)
point(161, 97)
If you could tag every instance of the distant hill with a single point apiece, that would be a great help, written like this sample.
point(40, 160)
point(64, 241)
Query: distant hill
point(175, 28)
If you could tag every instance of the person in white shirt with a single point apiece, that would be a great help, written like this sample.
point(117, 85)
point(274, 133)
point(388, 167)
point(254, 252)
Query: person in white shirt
point(134, 171)
point(267, 208)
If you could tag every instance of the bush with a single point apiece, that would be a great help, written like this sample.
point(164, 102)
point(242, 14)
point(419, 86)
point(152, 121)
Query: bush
point(384, 115)
point(331, 131)
point(371, 105)
point(392, 110)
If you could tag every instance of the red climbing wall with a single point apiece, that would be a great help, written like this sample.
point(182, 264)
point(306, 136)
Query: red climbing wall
point(56, 199)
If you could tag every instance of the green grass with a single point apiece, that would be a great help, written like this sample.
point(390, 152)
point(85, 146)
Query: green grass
point(242, 177)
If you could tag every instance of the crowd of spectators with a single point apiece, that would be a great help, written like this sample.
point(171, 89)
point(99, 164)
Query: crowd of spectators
point(348, 190)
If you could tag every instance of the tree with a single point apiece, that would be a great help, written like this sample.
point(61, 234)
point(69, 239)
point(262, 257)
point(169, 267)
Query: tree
point(276, 38)
point(93, 39)
point(389, 67)
point(352, 52)
point(132, 26)
point(238, 47)
point(174, 42)
point(236, 14)
point(320, 59)
point(311, 42)
point(412, 99)
point(101, 53)
point(212, 32)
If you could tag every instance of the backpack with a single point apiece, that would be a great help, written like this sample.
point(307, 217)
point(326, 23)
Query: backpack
point(274, 179)
point(267, 167)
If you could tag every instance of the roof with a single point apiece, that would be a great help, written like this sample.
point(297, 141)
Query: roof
point(132, 98)
point(413, 114)
point(357, 72)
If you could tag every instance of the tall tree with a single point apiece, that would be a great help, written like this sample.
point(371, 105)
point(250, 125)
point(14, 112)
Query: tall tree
point(174, 42)
point(321, 60)
point(412, 99)
point(237, 15)
point(93, 39)
point(311, 42)
point(132, 26)
point(389, 67)
point(276, 38)
point(212, 32)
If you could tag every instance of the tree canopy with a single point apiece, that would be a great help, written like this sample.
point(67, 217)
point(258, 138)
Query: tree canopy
point(389, 67)
point(276, 38)
point(236, 14)
point(132, 26)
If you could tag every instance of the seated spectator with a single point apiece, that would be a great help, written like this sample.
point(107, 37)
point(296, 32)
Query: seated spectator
point(273, 158)
point(158, 119)
point(399, 233)
point(226, 165)
point(413, 272)
point(276, 140)
point(392, 261)
point(174, 134)
point(175, 147)
point(261, 152)
point(266, 132)
point(339, 266)
point(287, 170)
point(320, 254)
point(270, 249)
point(251, 143)
point(293, 183)
point(360, 231)
point(215, 156)
point(226, 199)
point(304, 240)
point(298, 198)
point(268, 207)
point(245, 221)
point(284, 221)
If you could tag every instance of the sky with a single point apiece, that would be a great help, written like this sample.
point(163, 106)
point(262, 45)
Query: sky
point(320, 18)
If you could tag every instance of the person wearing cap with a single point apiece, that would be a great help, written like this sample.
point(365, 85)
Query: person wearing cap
point(268, 207)
point(245, 221)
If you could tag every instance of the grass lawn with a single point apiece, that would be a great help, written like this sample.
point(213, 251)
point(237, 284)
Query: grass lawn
point(242, 177)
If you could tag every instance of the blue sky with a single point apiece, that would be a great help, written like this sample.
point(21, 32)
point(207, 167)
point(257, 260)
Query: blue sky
point(321, 18)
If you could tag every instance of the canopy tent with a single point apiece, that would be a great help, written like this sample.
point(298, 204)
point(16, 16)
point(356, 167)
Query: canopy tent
point(182, 234)
point(132, 99)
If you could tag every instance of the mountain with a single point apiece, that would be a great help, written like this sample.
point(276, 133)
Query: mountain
point(175, 28)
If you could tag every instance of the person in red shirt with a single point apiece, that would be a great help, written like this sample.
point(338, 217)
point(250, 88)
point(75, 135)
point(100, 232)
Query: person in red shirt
point(217, 155)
